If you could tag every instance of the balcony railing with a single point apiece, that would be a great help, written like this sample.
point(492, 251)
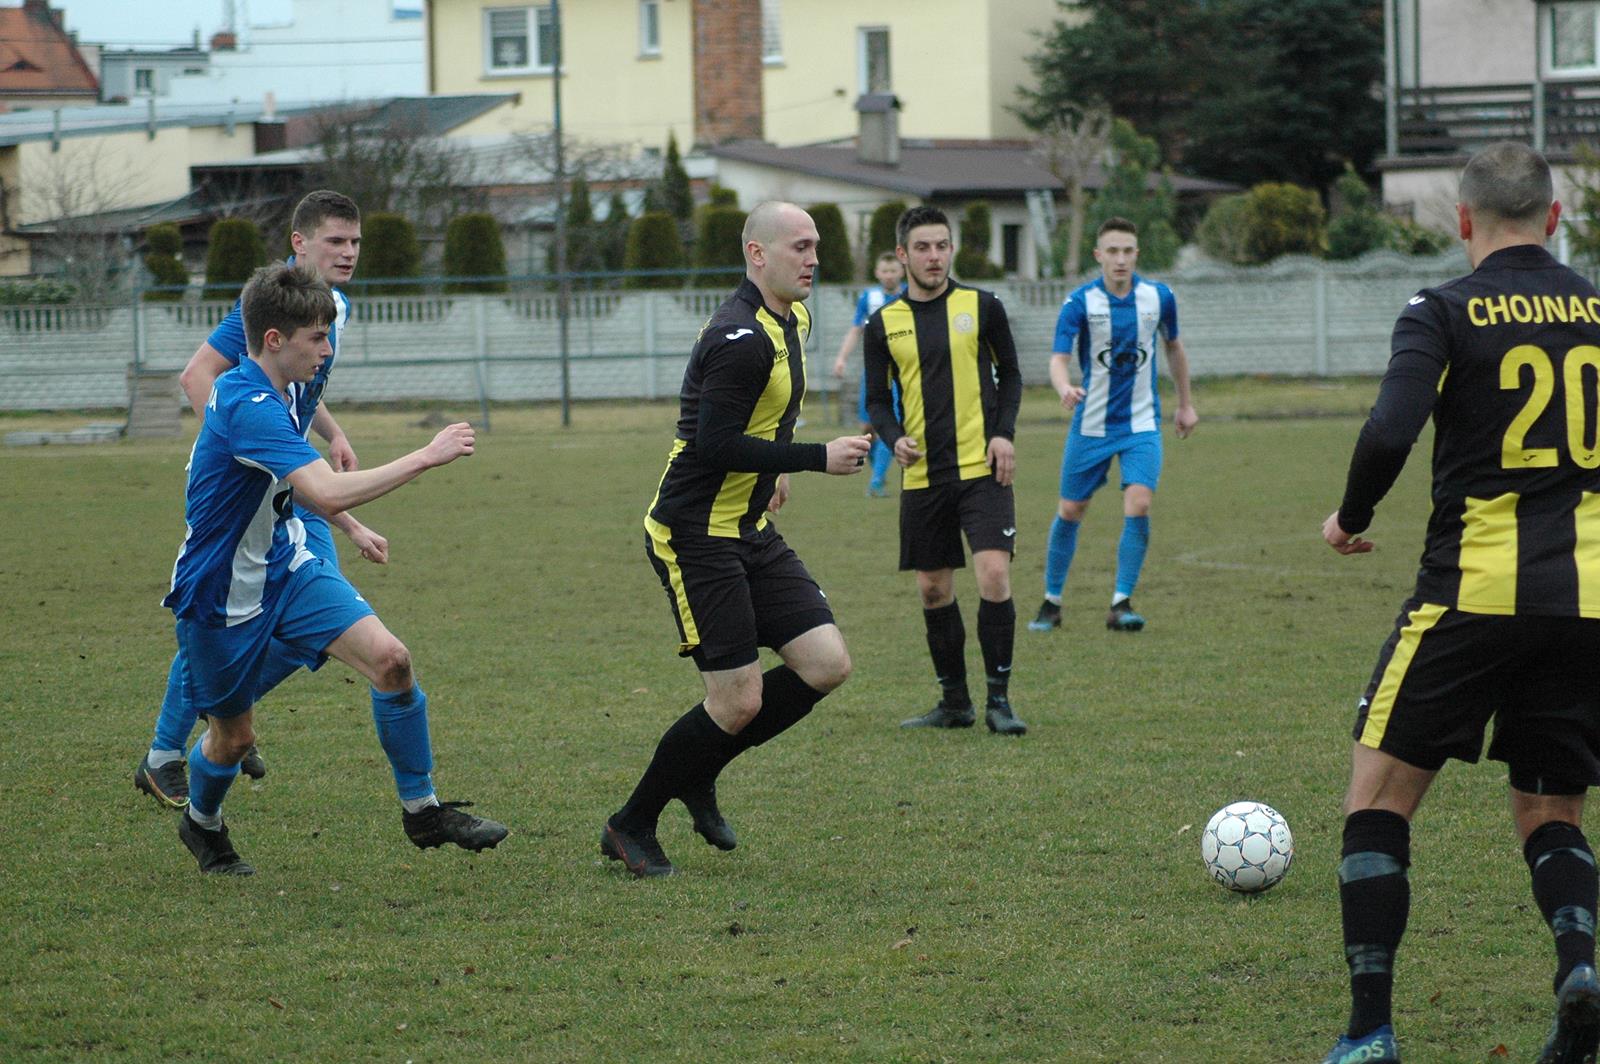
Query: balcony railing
point(1452, 120)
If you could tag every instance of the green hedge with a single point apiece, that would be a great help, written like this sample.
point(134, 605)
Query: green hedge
point(972, 257)
point(163, 258)
point(389, 251)
point(472, 248)
point(654, 244)
point(719, 238)
point(880, 232)
point(234, 249)
point(834, 264)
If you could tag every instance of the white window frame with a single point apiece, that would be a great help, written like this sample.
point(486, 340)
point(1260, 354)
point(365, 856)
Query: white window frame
point(537, 62)
point(649, 29)
point(862, 71)
point(772, 32)
point(1547, 30)
point(149, 88)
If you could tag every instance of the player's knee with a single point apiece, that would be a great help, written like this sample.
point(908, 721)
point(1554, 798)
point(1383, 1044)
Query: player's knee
point(232, 745)
point(831, 672)
point(1072, 509)
point(392, 667)
point(740, 708)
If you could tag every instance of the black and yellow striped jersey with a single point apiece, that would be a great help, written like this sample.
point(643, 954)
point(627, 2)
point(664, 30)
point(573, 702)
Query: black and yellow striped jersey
point(960, 385)
point(1507, 362)
point(741, 396)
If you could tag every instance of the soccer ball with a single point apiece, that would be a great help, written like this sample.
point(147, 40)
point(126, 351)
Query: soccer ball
point(1247, 847)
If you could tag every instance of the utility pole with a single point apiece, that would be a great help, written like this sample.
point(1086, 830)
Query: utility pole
point(564, 293)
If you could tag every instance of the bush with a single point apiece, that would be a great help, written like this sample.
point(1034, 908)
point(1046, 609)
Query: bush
point(833, 244)
point(676, 193)
point(1282, 219)
point(719, 240)
point(614, 234)
point(653, 244)
point(1409, 238)
point(972, 257)
point(389, 250)
point(1128, 193)
point(723, 197)
point(17, 293)
point(1359, 227)
point(585, 250)
point(234, 250)
point(1221, 231)
point(163, 258)
point(472, 248)
point(880, 232)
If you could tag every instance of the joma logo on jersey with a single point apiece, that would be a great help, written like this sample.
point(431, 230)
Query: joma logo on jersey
point(899, 334)
point(780, 354)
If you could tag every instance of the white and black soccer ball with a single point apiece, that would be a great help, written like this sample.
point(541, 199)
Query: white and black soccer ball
point(1247, 847)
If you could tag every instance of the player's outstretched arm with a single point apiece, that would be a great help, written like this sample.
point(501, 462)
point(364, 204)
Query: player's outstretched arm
point(1184, 419)
point(333, 492)
point(201, 373)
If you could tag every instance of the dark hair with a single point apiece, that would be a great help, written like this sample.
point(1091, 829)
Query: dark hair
point(1508, 180)
point(888, 256)
point(317, 207)
point(915, 216)
point(284, 298)
point(1116, 225)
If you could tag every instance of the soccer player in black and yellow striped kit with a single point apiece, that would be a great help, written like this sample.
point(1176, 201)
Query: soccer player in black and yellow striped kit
point(732, 582)
point(949, 348)
point(1505, 619)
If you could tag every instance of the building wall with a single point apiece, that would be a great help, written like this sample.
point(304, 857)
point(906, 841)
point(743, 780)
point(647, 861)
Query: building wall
point(1429, 195)
point(117, 72)
point(327, 50)
point(954, 64)
point(1476, 42)
point(610, 93)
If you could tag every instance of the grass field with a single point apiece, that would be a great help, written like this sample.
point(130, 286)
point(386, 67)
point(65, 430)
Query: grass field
point(895, 896)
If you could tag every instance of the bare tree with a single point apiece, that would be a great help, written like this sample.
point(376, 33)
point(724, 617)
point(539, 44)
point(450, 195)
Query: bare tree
point(1068, 146)
point(74, 190)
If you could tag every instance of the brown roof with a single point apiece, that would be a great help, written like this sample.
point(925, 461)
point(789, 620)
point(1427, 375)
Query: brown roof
point(37, 56)
point(934, 168)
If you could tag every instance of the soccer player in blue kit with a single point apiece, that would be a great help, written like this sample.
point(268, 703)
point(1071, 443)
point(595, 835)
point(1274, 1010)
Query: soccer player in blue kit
point(891, 286)
point(1111, 325)
point(326, 235)
point(245, 582)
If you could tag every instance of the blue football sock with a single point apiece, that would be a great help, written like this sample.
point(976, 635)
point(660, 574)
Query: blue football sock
point(881, 457)
point(402, 720)
point(1058, 554)
point(208, 782)
point(1130, 553)
point(177, 716)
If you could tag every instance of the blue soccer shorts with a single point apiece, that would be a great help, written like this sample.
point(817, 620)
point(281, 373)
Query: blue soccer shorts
point(1085, 461)
point(316, 606)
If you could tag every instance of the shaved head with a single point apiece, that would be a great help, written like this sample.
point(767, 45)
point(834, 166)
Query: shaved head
point(780, 252)
point(768, 221)
point(1510, 181)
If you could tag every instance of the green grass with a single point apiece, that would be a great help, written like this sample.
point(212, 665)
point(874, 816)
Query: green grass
point(895, 897)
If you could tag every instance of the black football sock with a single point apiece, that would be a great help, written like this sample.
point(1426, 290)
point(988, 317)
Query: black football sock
point(785, 701)
point(1375, 900)
point(692, 742)
point(1565, 886)
point(947, 642)
point(997, 631)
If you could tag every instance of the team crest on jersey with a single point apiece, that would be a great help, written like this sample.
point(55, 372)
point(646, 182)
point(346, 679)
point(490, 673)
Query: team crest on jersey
point(1127, 359)
point(963, 323)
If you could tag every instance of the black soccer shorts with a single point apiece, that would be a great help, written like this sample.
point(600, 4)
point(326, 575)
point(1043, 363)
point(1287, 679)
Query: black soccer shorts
point(1443, 674)
point(933, 518)
point(730, 597)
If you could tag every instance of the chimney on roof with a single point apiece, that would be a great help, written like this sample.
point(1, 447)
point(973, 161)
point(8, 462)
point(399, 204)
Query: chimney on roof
point(727, 70)
point(40, 9)
point(224, 41)
point(879, 138)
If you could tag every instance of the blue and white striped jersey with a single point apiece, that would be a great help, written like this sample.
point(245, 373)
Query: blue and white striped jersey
point(872, 300)
point(227, 339)
point(242, 537)
point(1115, 342)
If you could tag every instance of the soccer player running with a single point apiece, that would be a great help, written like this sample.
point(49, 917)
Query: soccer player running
point(1110, 325)
point(949, 347)
point(732, 582)
point(1503, 621)
point(891, 286)
point(326, 236)
point(245, 580)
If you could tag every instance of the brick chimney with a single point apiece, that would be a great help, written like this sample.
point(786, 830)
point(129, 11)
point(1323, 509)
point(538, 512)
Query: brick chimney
point(727, 70)
point(41, 10)
point(224, 41)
